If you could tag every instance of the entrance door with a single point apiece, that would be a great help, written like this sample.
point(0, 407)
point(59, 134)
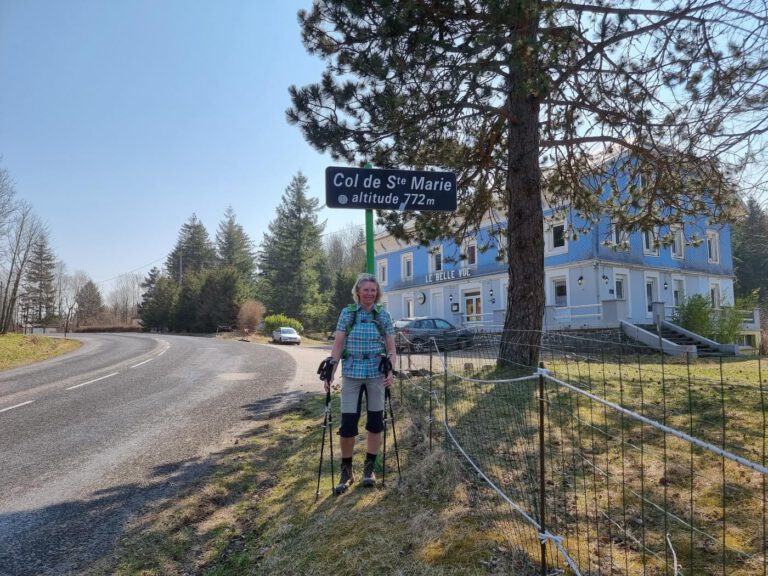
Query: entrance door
point(473, 306)
point(436, 304)
point(651, 291)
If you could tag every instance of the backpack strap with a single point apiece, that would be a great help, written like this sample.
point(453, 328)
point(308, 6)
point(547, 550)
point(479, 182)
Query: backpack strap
point(353, 308)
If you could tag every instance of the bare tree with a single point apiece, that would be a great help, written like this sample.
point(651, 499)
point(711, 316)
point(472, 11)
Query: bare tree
point(22, 233)
point(70, 288)
point(345, 250)
point(124, 297)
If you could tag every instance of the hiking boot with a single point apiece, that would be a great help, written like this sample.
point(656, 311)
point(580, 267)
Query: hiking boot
point(346, 479)
point(369, 477)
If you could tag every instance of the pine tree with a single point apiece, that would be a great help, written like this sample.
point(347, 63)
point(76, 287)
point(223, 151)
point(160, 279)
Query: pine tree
point(502, 91)
point(234, 248)
point(90, 304)
point(194, 251)
point(157, 301)
point(750, 252)
point(222, 291)
point(291, 257)
point(39, 295)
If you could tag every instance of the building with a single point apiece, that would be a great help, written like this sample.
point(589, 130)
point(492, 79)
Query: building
point(592, 280)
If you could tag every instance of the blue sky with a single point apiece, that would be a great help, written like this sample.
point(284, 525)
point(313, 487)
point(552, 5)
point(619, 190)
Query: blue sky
point(121, 118)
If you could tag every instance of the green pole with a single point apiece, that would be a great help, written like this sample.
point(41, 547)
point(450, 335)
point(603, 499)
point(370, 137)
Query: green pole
point(369, 233)
point(369, 239)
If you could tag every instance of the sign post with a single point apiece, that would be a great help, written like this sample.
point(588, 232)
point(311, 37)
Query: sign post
point(384, 189)
point(368, 234)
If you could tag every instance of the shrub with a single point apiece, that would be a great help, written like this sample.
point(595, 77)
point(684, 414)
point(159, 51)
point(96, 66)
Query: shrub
point(250, 315)
point(695, 314)
point(275, 321)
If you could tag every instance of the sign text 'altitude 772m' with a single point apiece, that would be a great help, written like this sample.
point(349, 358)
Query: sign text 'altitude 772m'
point(382, 189)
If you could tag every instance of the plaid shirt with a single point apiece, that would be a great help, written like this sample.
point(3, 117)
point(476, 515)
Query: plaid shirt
point(364, 343)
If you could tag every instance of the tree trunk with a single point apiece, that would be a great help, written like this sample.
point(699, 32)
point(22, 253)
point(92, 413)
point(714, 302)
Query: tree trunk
point(525, 232)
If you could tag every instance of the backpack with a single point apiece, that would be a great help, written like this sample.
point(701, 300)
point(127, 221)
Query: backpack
point(353, 320)
point(377, 308)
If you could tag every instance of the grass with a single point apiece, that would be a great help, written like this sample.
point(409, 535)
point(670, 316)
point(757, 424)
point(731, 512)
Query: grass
point(19, 350)
point(258, 513)
point(612, 477)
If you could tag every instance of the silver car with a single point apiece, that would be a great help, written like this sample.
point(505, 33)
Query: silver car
point(286, 335)
point(417, 334)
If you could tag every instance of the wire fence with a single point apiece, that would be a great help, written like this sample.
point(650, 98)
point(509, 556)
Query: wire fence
point(608, 458)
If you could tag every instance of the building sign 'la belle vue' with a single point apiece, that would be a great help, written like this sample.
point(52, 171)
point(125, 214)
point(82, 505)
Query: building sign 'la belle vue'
point(444, 275)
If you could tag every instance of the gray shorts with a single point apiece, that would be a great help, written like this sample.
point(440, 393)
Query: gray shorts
point(352, 391)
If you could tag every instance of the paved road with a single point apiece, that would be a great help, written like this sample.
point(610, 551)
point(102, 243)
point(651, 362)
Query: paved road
point(90, 439)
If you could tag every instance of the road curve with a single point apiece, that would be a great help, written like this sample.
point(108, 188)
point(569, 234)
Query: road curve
point(90, 439)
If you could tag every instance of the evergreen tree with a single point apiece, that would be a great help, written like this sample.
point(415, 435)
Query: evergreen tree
point(291, 257)
point(222, 291)
point(184, 317)
point(90, 304)
point(39, 296)
point(341, 295)
point(193, 252)
point(157, 301)
point(234, 248)
point(750, 251)
point(498, 90)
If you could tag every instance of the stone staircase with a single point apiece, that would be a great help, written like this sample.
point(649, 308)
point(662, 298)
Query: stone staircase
point(668, 333)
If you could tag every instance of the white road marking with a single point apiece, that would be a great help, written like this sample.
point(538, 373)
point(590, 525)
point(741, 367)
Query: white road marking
point(17, 406)
point(142, 363)
point(92, 381)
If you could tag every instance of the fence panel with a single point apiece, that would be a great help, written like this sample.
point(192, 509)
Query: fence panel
point(650, 466)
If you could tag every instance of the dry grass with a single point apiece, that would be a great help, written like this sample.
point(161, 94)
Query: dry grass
point(259, 514)
point(609, 473)
point(19, 350)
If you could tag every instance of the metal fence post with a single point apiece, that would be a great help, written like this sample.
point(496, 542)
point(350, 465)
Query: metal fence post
point(542, 475)
point(445, 384)
point(430, 399)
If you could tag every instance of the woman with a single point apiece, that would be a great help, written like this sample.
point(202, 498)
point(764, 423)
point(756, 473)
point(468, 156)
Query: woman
point(364, 333)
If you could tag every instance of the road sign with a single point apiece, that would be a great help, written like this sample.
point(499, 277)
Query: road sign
point(382, 189)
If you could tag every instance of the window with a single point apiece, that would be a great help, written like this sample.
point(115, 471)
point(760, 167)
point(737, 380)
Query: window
point(650, 242)
point(620, 283)
point(714, 295)
point(470, 253)
point(408, 307)
point(678, 292)
point(473, 306)
point(381, 272)
point(407, 267)
point(713, 247)
point(619, 239)
point(678, 243)
point(555, 239)
point(560, 290)
point(436, 259)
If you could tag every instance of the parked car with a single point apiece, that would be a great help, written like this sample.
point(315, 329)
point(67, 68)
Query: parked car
point(416, 334)
point(286, 335)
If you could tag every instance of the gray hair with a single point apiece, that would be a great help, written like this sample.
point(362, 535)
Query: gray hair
point(365, 277)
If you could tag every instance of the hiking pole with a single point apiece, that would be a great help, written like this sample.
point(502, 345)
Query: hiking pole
point(388, 400)
point(327, 424)
point(385, 366)
point(326, 372)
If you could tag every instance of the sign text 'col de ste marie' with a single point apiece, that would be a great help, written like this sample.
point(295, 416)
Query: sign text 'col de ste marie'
point(384, 189)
